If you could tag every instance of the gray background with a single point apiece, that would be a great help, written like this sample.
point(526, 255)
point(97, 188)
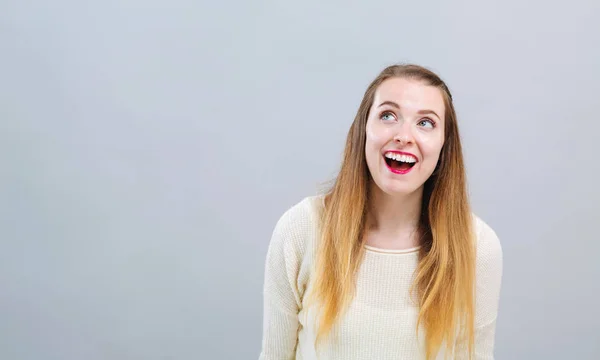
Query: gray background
point(147, 149)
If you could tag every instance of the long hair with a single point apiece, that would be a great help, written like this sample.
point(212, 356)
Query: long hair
point(445, 276)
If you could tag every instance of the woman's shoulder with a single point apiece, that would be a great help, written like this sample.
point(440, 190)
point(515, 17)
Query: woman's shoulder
point(489, 248)
point(301, 215)
point(297, 226)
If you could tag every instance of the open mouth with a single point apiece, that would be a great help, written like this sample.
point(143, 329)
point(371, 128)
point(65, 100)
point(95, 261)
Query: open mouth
point(399, 163)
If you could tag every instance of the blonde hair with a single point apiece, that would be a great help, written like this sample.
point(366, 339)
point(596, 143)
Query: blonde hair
point(445, 275)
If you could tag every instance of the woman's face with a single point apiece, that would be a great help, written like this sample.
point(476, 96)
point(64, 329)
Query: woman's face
point(405, 135)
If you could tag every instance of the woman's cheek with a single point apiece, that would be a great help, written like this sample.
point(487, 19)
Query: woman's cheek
point(430, 143)
point(376, 136)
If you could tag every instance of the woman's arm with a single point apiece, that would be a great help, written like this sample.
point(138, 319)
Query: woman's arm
point(281, 295)
point(487, 292)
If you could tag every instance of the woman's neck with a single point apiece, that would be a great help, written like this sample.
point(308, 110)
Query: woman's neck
point(393, 221)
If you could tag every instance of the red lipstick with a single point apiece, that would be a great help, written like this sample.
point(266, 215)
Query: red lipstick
point(396, 170)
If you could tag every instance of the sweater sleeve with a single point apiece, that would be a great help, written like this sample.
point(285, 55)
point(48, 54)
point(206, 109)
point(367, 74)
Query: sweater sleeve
point(487, 291)
point(281, 297)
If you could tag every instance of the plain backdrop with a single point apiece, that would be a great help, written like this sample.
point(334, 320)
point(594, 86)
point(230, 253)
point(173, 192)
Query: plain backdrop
point(147, 149)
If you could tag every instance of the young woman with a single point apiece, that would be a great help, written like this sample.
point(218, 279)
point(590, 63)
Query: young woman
point(390, 263)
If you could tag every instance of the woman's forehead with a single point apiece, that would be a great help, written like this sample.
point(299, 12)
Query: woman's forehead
point(412, 95)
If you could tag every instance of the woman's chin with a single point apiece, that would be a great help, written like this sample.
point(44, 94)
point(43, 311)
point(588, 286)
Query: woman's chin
point(398, 192)
point(396, 189)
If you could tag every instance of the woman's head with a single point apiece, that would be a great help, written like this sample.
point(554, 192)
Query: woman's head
point(406, 108)
point(405, 127)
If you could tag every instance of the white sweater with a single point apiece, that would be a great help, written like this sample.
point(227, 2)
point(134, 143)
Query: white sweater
point(380, 323)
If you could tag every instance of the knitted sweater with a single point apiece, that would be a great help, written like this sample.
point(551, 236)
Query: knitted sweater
point(380, 323)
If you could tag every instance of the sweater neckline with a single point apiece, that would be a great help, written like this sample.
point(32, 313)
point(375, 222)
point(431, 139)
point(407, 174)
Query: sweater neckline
point(392, 251)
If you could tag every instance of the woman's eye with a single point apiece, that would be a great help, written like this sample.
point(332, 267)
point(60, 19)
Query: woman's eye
point(428, 123)
point(387, 116)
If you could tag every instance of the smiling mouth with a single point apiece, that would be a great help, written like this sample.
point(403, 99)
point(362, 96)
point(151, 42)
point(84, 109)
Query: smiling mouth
point(398, 164)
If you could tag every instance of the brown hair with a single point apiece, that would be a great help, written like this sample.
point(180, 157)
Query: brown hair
point(445, 275)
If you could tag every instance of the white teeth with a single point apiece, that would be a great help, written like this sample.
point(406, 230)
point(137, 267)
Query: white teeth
point(399, 157)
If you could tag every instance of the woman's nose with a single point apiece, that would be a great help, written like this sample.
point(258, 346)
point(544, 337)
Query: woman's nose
point(403, 136)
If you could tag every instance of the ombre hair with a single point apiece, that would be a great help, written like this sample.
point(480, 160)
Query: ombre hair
point(445, 276)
